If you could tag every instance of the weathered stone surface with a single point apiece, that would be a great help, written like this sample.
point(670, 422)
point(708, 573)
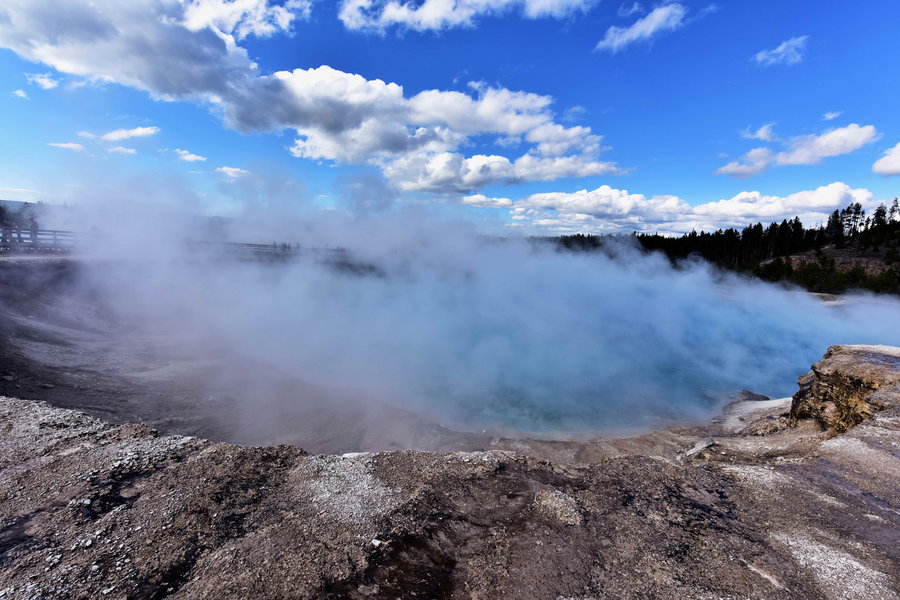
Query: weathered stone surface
point(847, 386)
point(93, 510)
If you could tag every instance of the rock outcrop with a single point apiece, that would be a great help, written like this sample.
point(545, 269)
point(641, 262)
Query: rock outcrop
point(847, 386)
point(94, 510)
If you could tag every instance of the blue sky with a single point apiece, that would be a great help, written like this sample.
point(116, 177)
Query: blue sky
point(543, 116)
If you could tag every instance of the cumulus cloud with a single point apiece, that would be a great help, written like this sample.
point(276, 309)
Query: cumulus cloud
point(124, 134)
point(189, 156)
point(603, 202)
point(609, 210)
point(414, 141)
point(173, 53)
point(43, 80)
point(764, 133)
point(20, 94)
point(121, 150)
point(811, 149)
point(889, 164)
point(453, 172)
point(831, 116)
point(751, 163)
point(435, 15)
point(141, 43)
point(788, 52)
point(747, 207)
point(802, 150)
point(232, 172)
point(67, 146)
point(667, 17)
point(245, 17)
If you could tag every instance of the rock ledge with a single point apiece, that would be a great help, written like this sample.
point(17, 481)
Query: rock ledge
point(847, 386)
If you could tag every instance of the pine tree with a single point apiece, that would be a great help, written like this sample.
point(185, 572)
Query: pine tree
point(834, 231)
point(879, 217)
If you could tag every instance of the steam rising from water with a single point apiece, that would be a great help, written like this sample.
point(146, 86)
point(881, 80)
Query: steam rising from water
point(483, 333)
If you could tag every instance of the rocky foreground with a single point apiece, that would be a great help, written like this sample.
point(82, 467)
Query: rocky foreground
point(781, 499)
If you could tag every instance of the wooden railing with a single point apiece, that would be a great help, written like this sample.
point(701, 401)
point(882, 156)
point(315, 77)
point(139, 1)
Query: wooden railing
point(15, 240)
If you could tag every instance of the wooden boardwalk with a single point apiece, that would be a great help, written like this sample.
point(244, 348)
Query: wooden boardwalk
point(43, 241)
point(24, 242)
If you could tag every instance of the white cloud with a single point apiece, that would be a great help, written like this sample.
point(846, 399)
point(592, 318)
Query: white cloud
point(831, 116)
point(245, 17)
point(803, 150)
point(667, 17)
point(626, 10)
point(573, 113)
point(43, 80)
point(232, 172)
point(188, 156)
point(20, 94)
point(453, 172)
point(67, 146)
point(605, 202)
point(124, 134)
point(747, 207)
point(121, 150)
point(609, 210)
point(889, 164)
point(811, 149)
point(15, 190)
point(415, 140)
point(483, 201)
point(338, 116)
point(22, 193)
point(752, 163)
point(436, 15)
point(764, 133)
point(140, 43)
point(788, 52)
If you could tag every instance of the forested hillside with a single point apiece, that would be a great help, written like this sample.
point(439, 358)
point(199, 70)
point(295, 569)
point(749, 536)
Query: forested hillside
point(851, 251)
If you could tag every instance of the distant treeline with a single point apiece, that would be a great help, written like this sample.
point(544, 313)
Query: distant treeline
point(760, 249)
point(17, 218)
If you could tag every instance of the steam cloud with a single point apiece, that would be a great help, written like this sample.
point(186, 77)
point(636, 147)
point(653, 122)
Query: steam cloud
point(483, 333)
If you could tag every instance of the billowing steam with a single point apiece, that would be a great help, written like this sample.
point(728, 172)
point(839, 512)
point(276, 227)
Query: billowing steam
point(474, 332)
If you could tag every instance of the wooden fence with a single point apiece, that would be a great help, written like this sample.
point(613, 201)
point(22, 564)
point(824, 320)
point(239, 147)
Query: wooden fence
point(15, 240)
point(45, 241)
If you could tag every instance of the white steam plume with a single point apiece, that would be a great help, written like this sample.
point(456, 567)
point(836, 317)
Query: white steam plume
point(477, 332)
